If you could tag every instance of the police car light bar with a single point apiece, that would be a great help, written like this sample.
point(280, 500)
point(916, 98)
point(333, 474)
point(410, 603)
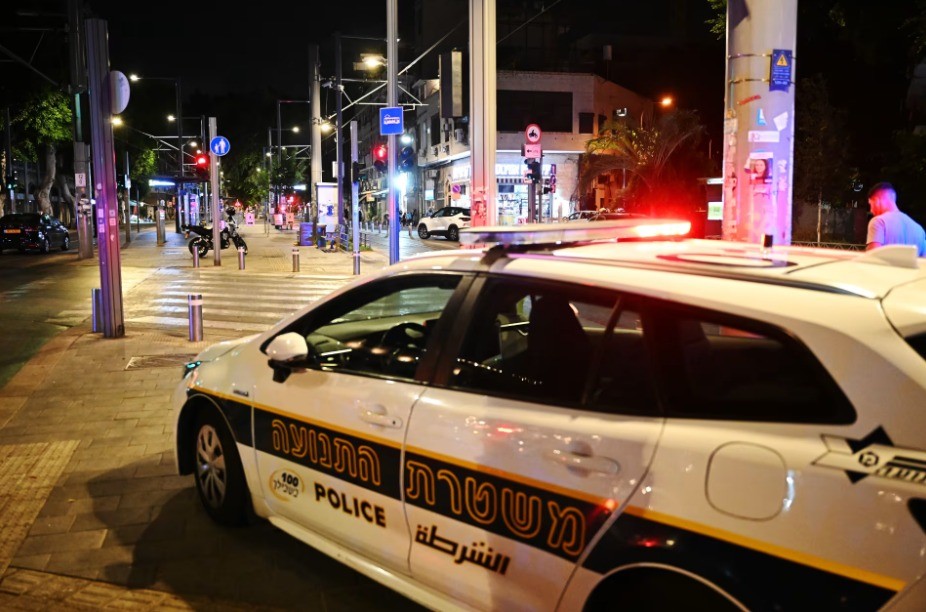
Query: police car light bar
point(557, 233)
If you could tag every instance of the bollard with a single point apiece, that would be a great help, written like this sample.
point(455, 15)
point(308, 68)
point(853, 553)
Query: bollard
point(196, 316)
point(295, 259)
point(241, 258)
point(196, 257)
point(96, 307)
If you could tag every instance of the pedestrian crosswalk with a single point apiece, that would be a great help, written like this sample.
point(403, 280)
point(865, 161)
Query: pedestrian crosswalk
point(251, 303)
point(231, 301)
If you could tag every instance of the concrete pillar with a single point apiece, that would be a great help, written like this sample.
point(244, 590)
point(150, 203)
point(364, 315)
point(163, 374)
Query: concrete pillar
point(482, 124)
point(759, 120)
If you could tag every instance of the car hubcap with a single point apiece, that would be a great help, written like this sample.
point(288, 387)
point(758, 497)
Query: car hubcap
point(210, 466)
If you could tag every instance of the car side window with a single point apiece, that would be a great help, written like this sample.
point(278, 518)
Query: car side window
point(381, 329)
point(721, 367)
point(532, 341)
point(624, 382)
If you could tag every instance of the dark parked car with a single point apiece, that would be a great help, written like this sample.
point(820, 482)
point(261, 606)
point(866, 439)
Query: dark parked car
point(616, 215)
point(33, 231)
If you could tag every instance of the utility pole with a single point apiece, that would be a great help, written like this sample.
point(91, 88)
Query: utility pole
point(316, 172)
point(758, 146)
point(355, 198)
point(8, 148)
point(339, 126)
point(104, 163)
point(179, 186)
point(482, 103)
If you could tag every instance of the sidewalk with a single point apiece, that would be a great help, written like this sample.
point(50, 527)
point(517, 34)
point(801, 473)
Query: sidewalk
point(93, 515)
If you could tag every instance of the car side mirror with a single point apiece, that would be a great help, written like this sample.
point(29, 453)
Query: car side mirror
point(288, 352)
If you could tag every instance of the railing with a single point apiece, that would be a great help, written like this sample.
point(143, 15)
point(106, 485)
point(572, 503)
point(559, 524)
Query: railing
point(842, 246)
point(344, 238)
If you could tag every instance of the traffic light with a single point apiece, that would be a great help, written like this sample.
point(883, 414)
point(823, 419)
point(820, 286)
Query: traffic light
point(533, 170)
point(406, 159)
point(11, 183)
point(380, 155)
point(201, 161)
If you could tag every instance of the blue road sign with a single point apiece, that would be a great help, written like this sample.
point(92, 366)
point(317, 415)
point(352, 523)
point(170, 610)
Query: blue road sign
point(779, 77)
point(391, 121)
point(219, 146)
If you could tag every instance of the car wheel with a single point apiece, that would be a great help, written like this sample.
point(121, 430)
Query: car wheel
point(65, 243)
point(423, 232)
point(45, 246)
point(453, 233)
point(219, 476)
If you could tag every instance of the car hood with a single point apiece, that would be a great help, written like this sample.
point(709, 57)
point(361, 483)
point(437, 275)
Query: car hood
point(221, 348)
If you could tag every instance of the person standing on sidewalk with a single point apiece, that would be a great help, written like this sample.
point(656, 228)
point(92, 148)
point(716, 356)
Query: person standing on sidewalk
point(889, 225)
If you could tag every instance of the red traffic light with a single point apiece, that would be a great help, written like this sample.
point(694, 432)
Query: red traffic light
point(202, 161)
point(380, 155)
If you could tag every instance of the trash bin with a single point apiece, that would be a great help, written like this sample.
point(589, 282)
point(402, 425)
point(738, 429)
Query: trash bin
point(320, 235)
point(306, 234)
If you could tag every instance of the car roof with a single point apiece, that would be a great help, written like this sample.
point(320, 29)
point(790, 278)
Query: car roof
point(873, 274)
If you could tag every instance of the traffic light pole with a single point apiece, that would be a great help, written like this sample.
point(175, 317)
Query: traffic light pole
point(214, 197)
point(392, 63)
point(104, 176)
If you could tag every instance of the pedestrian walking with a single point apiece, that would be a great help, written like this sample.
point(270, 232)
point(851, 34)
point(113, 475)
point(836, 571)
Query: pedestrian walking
point(889, 225)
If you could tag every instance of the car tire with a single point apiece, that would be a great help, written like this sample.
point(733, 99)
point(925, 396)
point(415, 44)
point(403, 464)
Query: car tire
point(453, 233)
point(220, 482)
point(65, 243)
point(45, 246)
point(423, 232)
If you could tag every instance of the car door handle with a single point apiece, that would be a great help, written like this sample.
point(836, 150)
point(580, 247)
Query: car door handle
point(569, 459)
point(380, 418)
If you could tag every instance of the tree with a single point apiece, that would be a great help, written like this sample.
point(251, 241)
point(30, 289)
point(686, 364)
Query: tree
point(821, 148)
point(246, 177)
point(661, 160)
point(45, 123)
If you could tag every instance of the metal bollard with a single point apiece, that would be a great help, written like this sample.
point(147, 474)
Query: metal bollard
point(195, 301)
point(241, 258)
point(295, 259)
point(196, 258)
point(96, 310)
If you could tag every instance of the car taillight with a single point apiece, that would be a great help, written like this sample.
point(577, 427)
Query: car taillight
point(464, 218)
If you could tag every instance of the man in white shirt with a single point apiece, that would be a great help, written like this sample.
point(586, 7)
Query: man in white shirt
point(889, 225)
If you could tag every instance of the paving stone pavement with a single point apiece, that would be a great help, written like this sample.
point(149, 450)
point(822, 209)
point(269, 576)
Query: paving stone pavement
point(92, 514)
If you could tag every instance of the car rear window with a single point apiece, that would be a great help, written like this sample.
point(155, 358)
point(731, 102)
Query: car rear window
point(19, 219)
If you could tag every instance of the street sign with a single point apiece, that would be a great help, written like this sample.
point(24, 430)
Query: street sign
point(532, 134)
point(219, 146)
point(391, 121)
point(533, 151)
point(780, 70)
point(80, 179)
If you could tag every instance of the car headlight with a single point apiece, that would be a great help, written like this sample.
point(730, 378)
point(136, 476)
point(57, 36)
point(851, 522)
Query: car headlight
point(189, 367)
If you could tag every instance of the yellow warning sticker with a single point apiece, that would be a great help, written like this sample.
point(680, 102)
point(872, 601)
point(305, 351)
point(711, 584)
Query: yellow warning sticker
point(782, 61)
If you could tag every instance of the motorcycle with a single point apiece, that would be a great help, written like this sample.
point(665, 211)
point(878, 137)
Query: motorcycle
point(203, 240)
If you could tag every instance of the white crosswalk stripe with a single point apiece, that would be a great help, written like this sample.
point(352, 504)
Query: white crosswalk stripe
point(252, 303)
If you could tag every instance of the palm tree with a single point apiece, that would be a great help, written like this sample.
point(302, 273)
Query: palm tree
point(654, 156)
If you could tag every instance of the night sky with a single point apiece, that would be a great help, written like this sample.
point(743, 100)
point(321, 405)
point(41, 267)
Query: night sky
point(218, 48)
point(660, 46)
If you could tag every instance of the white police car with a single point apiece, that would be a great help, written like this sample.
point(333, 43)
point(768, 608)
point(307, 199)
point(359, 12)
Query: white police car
point(567, 422)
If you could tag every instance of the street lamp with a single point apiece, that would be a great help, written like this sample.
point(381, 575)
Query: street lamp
point(179, 120)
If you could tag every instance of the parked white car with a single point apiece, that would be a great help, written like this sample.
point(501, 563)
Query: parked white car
point(563, 423)
point(447, 221)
